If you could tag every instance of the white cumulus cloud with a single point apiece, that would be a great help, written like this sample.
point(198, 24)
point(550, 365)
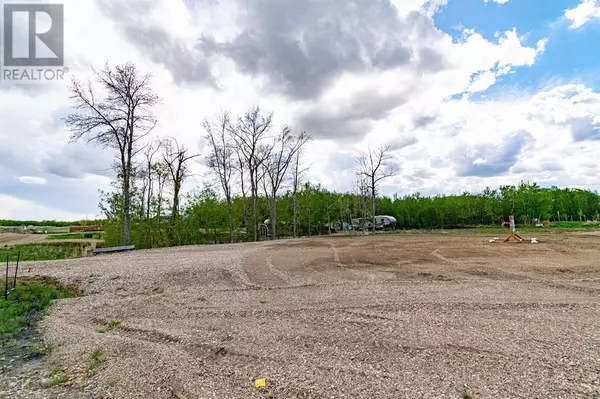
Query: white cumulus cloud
point(32, 180)
point(16, 208)
point(583, 13)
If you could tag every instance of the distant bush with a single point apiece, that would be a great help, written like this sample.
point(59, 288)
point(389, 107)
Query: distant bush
point(48, 223)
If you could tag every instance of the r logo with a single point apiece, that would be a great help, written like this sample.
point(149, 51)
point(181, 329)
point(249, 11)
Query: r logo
point(33, 35)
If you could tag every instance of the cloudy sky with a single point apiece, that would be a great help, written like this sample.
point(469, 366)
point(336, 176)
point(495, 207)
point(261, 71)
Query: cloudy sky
point(470, 93)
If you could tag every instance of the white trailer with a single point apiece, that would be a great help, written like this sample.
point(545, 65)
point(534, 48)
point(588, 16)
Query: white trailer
point(382, 222)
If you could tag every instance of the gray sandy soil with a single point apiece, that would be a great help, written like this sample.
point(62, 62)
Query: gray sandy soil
point(14, 238)
point(424, 316)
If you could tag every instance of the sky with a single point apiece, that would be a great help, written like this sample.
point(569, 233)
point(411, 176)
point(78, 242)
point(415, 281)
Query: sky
point(468, 93)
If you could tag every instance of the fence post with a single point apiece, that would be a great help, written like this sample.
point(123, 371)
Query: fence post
point(6, 280)
point(16, 270)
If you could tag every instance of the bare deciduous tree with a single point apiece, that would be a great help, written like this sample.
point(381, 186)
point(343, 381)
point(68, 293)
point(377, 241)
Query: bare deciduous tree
point(161, 171)
point(220, 159)
point(239, 166)
point(362, 190)
point(296, 182)
point(175, 157)
point(147, 176)
point(247, 135)
point(374, 167)
point(119, 120)
point(277, 165)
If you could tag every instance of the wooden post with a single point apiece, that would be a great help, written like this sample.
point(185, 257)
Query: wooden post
point(513, 231)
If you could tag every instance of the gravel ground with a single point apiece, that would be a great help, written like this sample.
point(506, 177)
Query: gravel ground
point(424, 316)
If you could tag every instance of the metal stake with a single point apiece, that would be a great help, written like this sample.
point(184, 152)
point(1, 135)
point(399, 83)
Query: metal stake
point(16, 270)
point(6, 281)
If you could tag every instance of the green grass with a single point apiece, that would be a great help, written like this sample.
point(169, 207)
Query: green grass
point(95, 360)
point(27, 302)
point(96, 356)
point(556, 227)
point(59, 379)
point(47, 251)
point(575, 225)
point(37, 352)
point(75, 236)
point(110, 326)
point(466, 395)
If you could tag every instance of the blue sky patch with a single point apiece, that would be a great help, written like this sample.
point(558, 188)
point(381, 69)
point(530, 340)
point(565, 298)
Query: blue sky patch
point(571, 55)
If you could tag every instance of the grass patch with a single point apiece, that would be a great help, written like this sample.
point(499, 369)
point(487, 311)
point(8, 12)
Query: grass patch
point(59, 379)
point(37, 352)
point(27, 302)
point(263, 300)
point(95, 360)
point(110, 383)
point(76, 236)
point(46, 251)
point(466, 395)
point(203, 299)
point(96, 356)
point(110, 326)
point(575, 225)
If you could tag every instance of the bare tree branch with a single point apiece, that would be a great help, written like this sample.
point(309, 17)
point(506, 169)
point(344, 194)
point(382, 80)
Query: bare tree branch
point(220, 159)
point(248, 134)
point(119, 121)
point(277, 164)
point(374, 167)
point(175, 157)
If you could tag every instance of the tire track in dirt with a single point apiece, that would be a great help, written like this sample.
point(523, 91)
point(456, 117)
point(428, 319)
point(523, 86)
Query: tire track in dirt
point(260, 272)
point(443, 258)
point(283, 276)
point(360, 274)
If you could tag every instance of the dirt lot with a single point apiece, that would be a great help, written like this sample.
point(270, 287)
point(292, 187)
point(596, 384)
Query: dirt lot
point(14, 238)
point(9, 239)
point(407, 316)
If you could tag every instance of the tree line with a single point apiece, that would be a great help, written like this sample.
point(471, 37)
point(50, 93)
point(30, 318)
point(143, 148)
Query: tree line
point(528, 202)
point(115, 111)
point(259, 186)
point(49, 223)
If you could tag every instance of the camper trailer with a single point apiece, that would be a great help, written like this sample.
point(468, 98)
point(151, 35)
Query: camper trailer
point(382, 222)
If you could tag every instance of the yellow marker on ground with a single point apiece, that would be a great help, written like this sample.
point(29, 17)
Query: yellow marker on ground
point(260, 383)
